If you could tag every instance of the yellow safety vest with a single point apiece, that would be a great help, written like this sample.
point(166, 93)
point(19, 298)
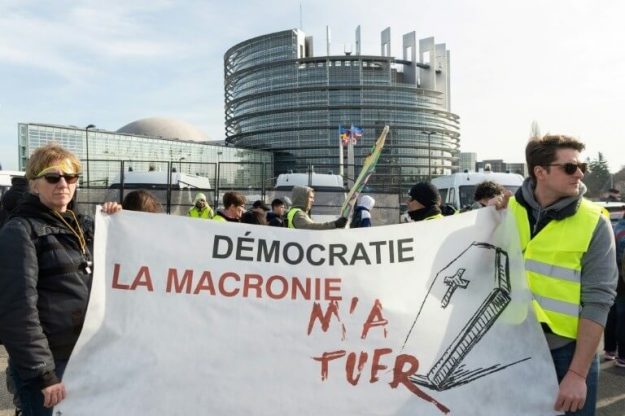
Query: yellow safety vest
point(553, 264)
point(205, 214)
point(290, 215)
point(219, 217)
point(434, 217)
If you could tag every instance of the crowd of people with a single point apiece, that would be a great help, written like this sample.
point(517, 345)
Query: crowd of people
point(573, 261)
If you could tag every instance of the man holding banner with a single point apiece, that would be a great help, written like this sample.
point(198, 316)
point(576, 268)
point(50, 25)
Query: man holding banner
point(569, 255)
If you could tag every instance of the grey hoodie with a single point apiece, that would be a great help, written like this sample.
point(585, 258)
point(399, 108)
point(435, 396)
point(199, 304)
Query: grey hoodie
point(599, 272)
point(301, 220)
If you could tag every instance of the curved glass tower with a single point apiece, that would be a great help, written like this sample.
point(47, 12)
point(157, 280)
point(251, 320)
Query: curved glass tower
point(279, 97)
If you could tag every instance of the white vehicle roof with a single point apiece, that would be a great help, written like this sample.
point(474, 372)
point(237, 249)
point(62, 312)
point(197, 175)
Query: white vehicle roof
point(160, 179)
point(318, 181)
point(610, 204)
point(474, 178)
point(6, 175)
point(615, 209)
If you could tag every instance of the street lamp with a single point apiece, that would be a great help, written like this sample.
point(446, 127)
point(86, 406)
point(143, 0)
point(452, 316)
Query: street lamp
point(180, 163)
point(429, 133)
point(217, 179)
point(90, 126)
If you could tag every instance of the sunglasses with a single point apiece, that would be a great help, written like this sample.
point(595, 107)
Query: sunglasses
point(56, 177)
point(570, 168)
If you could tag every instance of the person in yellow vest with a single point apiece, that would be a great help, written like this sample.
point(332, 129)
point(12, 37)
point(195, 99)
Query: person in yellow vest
point(569, 253)
point(303, 198)
point(424, 202)
point(200, 208)
point(234, 207)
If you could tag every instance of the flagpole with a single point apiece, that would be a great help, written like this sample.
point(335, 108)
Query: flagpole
point(350, 158)
point(368, 167)
point(341, 172)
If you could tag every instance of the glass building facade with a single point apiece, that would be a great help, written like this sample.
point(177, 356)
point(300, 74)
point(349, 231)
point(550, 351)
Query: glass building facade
point(105, 150)
point(279, 97)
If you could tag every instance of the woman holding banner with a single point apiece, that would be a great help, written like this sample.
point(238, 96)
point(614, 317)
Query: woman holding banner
point(45, 278)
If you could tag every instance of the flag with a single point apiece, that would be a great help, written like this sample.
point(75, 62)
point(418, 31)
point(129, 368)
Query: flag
point(357, 133)
point(368, 167)
point(344, 135)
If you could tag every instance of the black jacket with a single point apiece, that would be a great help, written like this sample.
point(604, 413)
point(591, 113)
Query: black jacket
point(275, 220)
point(44, 288)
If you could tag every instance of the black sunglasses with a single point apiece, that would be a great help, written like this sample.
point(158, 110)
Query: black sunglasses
point(56, 177)
point(570, 168)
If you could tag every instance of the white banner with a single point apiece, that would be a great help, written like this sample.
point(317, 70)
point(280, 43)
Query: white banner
point(192, 317)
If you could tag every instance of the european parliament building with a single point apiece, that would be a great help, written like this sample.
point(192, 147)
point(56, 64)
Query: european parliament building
point(282, 98)
point(148, 144)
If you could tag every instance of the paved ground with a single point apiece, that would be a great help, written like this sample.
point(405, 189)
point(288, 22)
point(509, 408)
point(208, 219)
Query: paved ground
point(611, 390)
point(6, 405)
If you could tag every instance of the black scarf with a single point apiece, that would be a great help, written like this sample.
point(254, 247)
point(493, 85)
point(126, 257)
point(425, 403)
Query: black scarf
point(424, 213)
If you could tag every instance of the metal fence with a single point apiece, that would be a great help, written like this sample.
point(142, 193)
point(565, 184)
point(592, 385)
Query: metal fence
point(252, 179)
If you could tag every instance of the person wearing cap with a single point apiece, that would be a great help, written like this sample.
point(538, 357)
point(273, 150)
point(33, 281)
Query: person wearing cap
point(234, 207)
point(424, 202)
point(256, 215)
point(303, 198)
point(362, 212)
point(274, 218)
point(200, 208)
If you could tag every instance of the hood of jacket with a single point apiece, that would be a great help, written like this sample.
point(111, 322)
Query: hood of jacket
point(31, 207)
point(540, 216)
point(366, 202)
point(299, 196)
point(562, 208)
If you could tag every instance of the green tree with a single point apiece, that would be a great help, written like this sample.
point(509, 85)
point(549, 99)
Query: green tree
point(598, 179)
point(620, 175)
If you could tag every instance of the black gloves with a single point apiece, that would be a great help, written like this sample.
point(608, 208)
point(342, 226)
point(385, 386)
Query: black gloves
point(340, 222)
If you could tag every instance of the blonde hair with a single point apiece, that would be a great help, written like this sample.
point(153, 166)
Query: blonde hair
point(47, 156)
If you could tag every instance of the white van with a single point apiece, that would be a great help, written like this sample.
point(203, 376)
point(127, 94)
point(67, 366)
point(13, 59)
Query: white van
point(158, 180)
point(458, 189)
point(329, 192)
point(317, 181)
point(178, 196)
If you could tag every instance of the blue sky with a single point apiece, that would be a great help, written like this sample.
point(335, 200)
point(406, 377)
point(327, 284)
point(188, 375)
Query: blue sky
point(559, 62)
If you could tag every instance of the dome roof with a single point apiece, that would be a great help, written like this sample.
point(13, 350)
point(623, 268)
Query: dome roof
point(169, 128)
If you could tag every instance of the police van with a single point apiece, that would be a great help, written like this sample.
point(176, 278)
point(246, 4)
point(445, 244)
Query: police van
point(329, 192)
point(176, 191)
point(160, 180)
point(458, 189)
point(320, 182)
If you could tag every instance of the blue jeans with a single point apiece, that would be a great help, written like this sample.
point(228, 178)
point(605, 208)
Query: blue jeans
point(562, 358)
point(29, 391)
point(614, 335)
